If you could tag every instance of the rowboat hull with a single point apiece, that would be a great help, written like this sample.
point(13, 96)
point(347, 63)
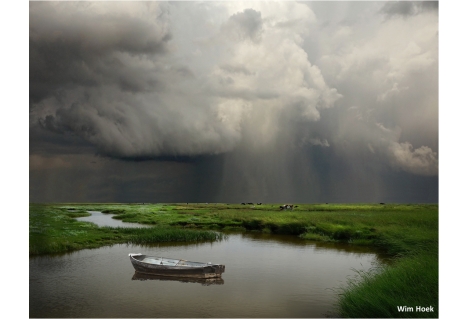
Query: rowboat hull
point(161, 266)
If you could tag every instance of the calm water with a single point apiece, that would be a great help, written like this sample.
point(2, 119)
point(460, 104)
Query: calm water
point(106, 220)
point(266, 276)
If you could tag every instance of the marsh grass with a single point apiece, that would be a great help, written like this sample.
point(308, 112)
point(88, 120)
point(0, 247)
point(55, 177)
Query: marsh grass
point(156, 235)
point(397, 229)
point(54, 229)
point(411, 282)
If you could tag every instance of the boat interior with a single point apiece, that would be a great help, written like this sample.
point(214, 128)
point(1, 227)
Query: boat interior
point(168, 261)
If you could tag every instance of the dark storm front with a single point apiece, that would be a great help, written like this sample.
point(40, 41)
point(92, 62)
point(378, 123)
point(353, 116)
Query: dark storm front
point(266, 276)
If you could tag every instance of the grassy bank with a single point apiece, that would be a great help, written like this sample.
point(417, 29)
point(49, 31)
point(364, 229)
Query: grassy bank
point(412, 281)
point(53, 229)
point(407, 233)
point(395, 228)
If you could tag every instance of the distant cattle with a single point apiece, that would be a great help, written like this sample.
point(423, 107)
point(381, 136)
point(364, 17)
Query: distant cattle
point(259, 203)
point(286, 207)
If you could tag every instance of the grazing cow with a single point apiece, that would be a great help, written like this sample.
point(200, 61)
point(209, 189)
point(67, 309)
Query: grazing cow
point(259, 203)
point(286, 207)
point(242, 203)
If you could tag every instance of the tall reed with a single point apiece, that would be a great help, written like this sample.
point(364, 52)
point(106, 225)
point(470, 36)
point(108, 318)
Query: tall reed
point(389, 291)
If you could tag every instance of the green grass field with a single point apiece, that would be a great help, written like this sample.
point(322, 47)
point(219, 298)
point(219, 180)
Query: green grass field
point(53, 229)
point(407, 233)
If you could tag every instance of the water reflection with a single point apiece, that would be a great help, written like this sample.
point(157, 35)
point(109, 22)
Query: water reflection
point(202, 281)
point(103, 220)
point(319, 247)
point(287, 241)
point(272, 277)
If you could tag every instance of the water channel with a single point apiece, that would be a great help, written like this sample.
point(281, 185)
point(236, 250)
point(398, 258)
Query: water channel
point(102, 219)
point(266, 276)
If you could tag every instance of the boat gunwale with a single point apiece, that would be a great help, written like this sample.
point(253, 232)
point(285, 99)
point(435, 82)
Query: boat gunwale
point(201, 264)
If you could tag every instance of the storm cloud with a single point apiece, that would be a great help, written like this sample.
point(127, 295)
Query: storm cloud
point(274, 101)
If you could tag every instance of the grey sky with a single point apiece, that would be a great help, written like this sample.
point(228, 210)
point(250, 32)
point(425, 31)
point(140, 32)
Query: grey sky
point(233, 101)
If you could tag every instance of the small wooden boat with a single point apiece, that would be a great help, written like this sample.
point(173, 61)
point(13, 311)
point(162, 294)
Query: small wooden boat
point(174, 267)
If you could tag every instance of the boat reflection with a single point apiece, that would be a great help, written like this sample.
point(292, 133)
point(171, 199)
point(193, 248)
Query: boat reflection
point(202, 281)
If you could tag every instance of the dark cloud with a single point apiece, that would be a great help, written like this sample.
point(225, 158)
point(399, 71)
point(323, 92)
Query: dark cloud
point(74, 45)
point(86, 177)
point(246, 24)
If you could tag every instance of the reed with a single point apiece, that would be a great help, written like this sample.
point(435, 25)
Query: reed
point(388, 292)
point(157, 234)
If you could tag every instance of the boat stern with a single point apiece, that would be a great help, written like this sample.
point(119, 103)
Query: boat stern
point(218, 269)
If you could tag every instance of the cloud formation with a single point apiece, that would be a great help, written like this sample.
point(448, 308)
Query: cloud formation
point(421, 161)
point(109, 74)
point(285, 97)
